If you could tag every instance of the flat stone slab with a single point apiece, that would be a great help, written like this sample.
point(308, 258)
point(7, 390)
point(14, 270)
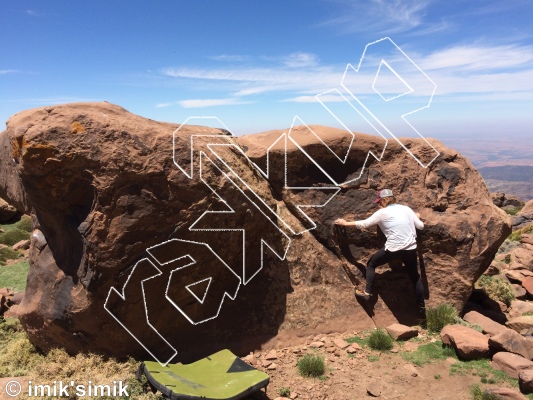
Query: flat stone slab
point(512, 342)
point(401, 332)
point(519, 323)
point(469, 343)
point(488, 325)
point(511, 364)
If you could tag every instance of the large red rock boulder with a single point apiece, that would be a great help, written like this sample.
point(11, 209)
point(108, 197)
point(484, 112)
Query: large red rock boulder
point(138, 251)
point(463, 228)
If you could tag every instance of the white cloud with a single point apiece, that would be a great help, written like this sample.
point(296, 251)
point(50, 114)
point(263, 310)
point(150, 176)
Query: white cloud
point(328, 98)
point(300, 60)
point(379, 16)
point(475, 58)
point(165, 105)
point(261, 80)
point(8, 71)
point(478, 70)
point(201, 103)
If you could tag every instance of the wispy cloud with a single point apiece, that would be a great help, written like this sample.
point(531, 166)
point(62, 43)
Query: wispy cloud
point(230, 58)
point(8, 71)
point(201, 103)
point(33, 13)
point(300, 60)
point(328, 98)
point(379, 16)
point(476, 70)
point(478, 58)
point(260, 80)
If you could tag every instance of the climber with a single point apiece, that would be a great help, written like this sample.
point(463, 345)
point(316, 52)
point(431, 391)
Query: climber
point(398, 223)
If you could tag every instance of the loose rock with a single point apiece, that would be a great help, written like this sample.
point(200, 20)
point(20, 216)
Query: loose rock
point(401, 332)
point(469, 344)
point(511, 364)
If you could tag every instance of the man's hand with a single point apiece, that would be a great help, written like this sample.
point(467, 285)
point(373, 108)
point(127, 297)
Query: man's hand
point(340, 221)
point(417, 215)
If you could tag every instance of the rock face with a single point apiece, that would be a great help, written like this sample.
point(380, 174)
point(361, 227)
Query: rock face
point(131, 239)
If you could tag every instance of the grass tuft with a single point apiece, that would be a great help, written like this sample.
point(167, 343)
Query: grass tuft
point(25, 224)
point(482, 368)
point(14, 236)
point(284, 392)
point(311, 365)
point(7, 253)
point(17, 354)
point(380, 339)
point(14, 276)
point(513, 210)
point(479, 394)
point(438, 317)
point(429, 353)
point(496, 289)
point(359, 340)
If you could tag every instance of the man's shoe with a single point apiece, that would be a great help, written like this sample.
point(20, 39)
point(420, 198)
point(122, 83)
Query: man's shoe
point(361, 294)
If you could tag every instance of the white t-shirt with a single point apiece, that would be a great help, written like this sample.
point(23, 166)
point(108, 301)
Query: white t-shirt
point(398, 223)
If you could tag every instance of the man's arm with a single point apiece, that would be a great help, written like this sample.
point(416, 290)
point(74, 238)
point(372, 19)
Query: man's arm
point(418, 224)
point(370, 221)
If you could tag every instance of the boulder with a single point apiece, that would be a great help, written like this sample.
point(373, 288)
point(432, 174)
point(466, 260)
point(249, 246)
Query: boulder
point(22, 245)
point(525, 381)
point(355, 246)
point(488, 325)
point(527, 284)
point(521, 307)
point(139, 251)
point(518, 275)
point(511, 364)
point(490, 313)
point(528, 208)
point(468, 343)
point(519, 323)
point(7, 211)
point(401, 332)
point(522, 257)
point(519, 292)
point(527, 239)
point(506, 200)
point(513, 342)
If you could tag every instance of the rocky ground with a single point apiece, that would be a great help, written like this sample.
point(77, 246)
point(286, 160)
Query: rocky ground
point(361, 373)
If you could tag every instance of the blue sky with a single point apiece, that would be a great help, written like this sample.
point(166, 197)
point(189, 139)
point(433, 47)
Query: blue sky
point(256, 64)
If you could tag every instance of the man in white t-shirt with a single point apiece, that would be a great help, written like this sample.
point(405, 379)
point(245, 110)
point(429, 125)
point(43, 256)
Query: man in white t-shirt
point(399, 224)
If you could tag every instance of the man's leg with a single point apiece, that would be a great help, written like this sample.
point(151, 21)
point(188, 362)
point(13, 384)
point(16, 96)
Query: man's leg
point(381, 257)
point(409, 259)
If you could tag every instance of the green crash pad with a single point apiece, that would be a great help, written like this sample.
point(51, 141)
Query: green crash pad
point(222, 375)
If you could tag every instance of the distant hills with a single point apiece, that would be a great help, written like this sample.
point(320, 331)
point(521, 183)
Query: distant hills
point(513, 173)
point(510, 179)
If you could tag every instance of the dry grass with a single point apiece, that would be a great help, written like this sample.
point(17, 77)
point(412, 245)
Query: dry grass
point(18, 357)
